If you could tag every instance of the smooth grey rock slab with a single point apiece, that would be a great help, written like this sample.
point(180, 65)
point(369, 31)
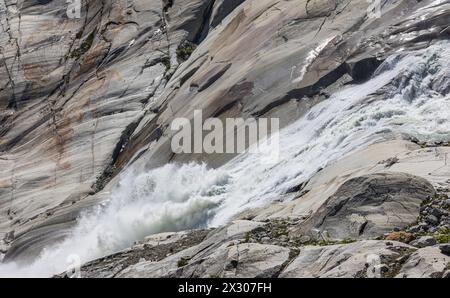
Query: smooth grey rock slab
point(359, 259)
point(424, 241)
point(427, 262)
point(370, 206)
point(248, 260)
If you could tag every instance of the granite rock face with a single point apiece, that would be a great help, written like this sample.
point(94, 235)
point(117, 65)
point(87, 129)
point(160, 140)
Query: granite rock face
point(73, 92)
point(84, 99)
point(249, 260)
point(345, 260)
point(152, 249)
point(427, 262)
point(275, 246)
point(368, 206)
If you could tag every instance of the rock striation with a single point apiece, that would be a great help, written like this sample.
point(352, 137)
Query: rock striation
point(368, 206)
point(84, 100)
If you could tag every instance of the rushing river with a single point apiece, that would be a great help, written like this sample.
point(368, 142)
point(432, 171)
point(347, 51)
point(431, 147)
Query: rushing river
point(402, 99)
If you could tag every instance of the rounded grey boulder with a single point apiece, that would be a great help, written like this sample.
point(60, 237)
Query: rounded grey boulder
point(370, 206)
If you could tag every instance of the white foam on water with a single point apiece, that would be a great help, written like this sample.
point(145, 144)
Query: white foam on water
point(171, 198)
point(399, 100)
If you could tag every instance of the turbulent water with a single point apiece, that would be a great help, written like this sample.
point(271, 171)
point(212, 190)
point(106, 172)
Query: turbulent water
point(405, 98)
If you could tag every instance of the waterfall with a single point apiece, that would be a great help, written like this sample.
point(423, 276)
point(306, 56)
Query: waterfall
point(404, 98)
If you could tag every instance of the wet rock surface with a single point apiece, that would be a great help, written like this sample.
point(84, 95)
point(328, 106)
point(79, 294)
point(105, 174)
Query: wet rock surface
point(81, 100)
point(152, 249)
point(275, 248)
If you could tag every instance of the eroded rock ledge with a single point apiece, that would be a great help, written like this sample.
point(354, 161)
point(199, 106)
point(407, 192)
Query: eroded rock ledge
point(406, 232)
point(80, 100)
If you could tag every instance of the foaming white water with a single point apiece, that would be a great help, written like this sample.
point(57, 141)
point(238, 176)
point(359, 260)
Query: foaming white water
point(348, 121)
point(170, 198)
point(399, 100)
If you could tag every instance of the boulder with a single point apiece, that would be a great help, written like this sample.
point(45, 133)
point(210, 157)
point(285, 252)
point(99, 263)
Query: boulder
point(445, 249)
point(229, 260)
point(221, 254)
point(424, 241)
point(248, 260)
point(359, 259)
point(370, 206)
point(427, 262)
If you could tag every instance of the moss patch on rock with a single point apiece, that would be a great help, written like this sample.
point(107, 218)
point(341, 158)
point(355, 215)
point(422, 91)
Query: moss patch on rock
point(182, 262)
point(84, 47)
point(166, 62)
point(185, 50)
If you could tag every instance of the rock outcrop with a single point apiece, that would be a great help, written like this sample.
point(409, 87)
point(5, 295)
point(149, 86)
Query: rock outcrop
point(426, 262)
point(368, 206)
point(252, 249)
point(153, 249)
point(356, 260)
point(276, 247)
point(74, 92)
point(84, 100)
point(248, 260)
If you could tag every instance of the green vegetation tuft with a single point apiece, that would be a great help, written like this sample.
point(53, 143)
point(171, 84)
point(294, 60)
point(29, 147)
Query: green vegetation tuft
point(442, 238)
point(330, 242)
point(347, 241)
point(182, 262)
point(185, 51)
point(84, 47)
point(247, 237)
point(166, 62)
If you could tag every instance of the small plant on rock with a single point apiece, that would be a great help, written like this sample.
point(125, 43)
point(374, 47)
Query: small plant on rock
point(443, 238)
point(182, 262)
point(166, 62)
point(247, 237)
point(185, 51)
point(84, 47)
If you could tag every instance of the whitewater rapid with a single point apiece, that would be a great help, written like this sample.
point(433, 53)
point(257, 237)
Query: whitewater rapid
point(401, 100)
